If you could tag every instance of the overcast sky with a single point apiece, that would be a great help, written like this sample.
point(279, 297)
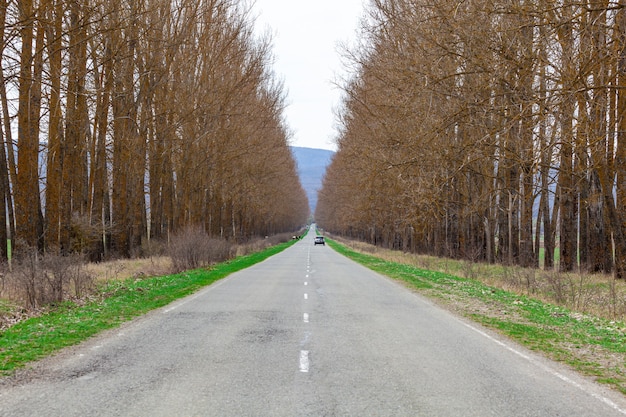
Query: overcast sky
point(305, 38)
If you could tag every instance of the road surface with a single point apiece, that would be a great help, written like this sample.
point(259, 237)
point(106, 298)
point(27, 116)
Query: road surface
point(304, 333)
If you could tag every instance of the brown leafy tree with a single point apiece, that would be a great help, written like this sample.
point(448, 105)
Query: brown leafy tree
point(138, 119)
point(486, 131)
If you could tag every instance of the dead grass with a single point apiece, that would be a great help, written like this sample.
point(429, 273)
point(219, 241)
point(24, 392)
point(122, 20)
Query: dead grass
point(127, 268)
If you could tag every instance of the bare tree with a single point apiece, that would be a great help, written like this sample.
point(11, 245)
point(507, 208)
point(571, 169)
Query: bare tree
point(500, 120)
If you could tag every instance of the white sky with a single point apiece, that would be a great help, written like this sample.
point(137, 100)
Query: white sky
point(306, 36)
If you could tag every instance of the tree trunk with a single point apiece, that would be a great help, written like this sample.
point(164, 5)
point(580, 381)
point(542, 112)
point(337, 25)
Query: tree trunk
point(567, 209)
point(618, 217)
point(55, 130)
point(27, 185)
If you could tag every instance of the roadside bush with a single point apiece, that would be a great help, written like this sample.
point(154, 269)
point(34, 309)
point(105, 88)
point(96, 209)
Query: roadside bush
point(260, 243)
point(153, 248)
point(278, 239)
point(250, 247)
point(67, 276)
point(557, 286)
point(193, 248)
point(37, 280)
point(30, 279)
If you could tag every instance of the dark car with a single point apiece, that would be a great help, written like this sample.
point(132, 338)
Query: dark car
point(319, 240)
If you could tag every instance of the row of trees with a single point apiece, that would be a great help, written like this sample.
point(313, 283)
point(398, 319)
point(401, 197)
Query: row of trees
point(124, 120)
point(491, 130)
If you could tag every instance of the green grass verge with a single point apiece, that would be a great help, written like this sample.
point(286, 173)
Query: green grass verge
point(119, 301)
point(593, 346)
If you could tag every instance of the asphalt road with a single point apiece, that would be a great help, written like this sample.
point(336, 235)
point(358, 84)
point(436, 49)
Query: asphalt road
point(305, 333)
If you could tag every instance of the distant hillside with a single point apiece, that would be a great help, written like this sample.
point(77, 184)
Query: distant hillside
point(312, 165)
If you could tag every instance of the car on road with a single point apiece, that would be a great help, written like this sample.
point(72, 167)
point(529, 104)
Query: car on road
point(319, 240)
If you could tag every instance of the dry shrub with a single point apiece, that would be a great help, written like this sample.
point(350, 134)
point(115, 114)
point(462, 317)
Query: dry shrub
point(470, 265)
point(37, 280)
point(278, 239)
point(251, 246)
point(615, 298)
point(153, 248)
point(67, 275)
point(529, 278)
point(468, 269)
point(193, 248)
point(510, 279)
point(259, 244)
point(557, 286)
point(424, 262)
point(120, 269)
point(29, 278)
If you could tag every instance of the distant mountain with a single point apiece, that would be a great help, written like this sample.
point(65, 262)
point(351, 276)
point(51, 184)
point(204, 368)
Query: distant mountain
point(312, 164)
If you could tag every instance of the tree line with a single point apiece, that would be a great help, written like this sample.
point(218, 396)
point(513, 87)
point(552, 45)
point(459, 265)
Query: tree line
point(488, 130)
point(129, 120)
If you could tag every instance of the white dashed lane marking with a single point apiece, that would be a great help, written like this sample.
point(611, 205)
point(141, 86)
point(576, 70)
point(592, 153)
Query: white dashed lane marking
point(304, 354)
point(304, 361)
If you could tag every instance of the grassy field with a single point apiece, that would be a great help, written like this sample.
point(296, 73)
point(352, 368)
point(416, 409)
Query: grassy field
point(116, 302)
point(592, 345)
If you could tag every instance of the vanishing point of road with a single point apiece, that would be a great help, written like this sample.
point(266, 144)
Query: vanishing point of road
point(305, 333)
